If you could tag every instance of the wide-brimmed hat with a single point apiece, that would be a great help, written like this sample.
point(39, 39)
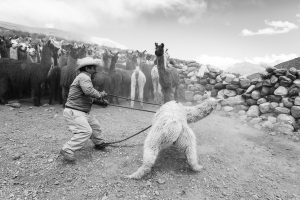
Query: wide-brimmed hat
point(87, 61)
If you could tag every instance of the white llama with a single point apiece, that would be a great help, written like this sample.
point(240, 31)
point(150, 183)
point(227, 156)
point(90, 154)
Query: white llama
point(156, 85)
point(138, 80)
point(170, 127)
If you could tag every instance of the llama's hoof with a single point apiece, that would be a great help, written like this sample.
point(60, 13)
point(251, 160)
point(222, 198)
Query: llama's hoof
point(129, 177)
point(132, 176)
point(197, 168)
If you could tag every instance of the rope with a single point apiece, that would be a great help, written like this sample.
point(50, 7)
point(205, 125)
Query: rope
point(133, 100)
point(105, 144)
point(131, 108)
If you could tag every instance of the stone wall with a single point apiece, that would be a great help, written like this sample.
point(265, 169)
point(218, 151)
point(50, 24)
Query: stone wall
point(270, 101)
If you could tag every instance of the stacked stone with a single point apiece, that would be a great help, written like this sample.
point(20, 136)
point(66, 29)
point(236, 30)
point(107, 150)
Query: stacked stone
point(270, 100)
point(275, 97)
point(189, 87)
point(224, 85)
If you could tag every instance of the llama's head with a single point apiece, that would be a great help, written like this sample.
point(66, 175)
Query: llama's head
point(114, 59)
point(141, 57)
point(81, 53)
point(213, 102)
point(206, 95)
point(131, 57)
point(159, 49)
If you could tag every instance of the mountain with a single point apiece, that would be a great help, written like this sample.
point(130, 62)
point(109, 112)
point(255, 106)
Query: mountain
point(245, 68)
point(47, 31)
point(106, 42)
point(289, 64)
point(67, 35)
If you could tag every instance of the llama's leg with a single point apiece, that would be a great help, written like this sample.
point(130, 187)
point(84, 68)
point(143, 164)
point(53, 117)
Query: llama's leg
point(36, 92)
point(60, 94)
point(159, 93)
point(166, 95)
point(64, 95)
point(176, 94)
point(187, 143)
point(56, 93)
point(155, 90)
point(51, 92)
point(173, 90)
point(149, 157)
point(113, 90)
point(132, 93)
point(169, 95)
point(141, 94)
point(39, 94)
point(118, 89)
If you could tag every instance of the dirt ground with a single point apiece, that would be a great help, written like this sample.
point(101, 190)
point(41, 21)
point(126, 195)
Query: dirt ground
point(240, 161)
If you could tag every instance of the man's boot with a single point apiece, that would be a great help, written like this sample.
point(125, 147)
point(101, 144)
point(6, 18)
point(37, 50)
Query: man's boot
point(67, 156)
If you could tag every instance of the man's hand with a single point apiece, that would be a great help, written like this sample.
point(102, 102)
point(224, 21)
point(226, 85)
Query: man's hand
point(101, 102)
point(103, 94)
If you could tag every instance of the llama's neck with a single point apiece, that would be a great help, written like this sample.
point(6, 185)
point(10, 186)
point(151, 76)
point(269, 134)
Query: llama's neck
point(137, 68)
point(141, 61)
point(38, 55)
point(161, 64)
point(71, 61)
point(112, 67)
point(198, 112)
point(107, 64)
point(62, 61)
point(29, 58)
point(46, 57)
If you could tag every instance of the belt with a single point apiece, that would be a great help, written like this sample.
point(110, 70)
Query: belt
point(76, 109)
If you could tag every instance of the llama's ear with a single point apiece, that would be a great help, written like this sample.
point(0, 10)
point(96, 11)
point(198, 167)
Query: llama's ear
point(144, 51)
point(156, 44)
point(219, 100)
point(162, 45)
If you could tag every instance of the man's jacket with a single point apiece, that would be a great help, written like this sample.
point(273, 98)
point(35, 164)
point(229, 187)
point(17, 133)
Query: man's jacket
point(81, 93)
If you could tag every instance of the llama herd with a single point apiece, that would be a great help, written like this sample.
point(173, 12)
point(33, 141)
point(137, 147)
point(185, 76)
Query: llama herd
point(48, 67)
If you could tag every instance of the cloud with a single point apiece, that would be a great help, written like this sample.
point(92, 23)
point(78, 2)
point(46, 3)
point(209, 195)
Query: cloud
point(106, 42)
point(49, 25)
point(184, 11)
point(92, 14)
point(272, 59)
point(276, 27)
point(44, 12)
point(220, 62)
point(225, 62)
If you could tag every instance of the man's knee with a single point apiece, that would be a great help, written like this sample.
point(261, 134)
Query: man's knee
point(86, 131)
point(89, 131)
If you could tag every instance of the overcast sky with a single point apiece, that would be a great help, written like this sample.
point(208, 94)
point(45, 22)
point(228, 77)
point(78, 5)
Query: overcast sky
point(217, 31)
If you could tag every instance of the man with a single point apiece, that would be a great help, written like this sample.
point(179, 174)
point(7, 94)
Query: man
point(77, 110)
